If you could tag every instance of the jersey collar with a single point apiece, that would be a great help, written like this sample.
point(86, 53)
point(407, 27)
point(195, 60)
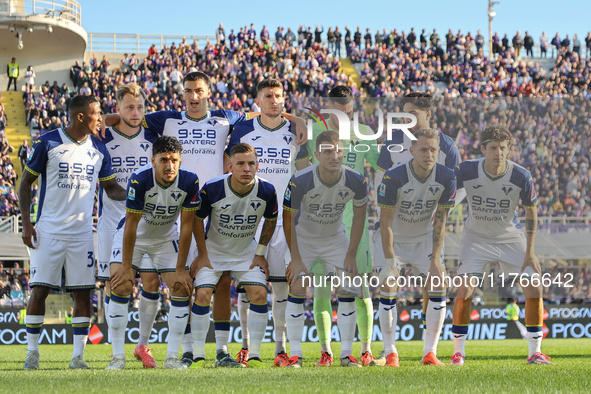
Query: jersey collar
point(197, 119)
point(268, 128)
point(72, 139)
point(324, 183)
point(129, 137)
point(494, 178)
point(238, 194)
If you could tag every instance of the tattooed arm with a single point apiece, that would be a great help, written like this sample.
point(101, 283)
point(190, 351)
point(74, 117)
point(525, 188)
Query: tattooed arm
point(266, 234)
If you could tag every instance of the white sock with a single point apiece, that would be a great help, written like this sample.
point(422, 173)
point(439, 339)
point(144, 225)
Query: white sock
point(148, 309)
point(177, 323)
point(294, 318)
point(118, 308)
point(347, 322)
point(107, 319)
point(534, 341)
point(188, 338)
point(80, 327)
point(257, 325)
point(199, 328)
point(34, 323)
point(435, 317)
point(459, 334)
point(222, 335)
point(280, 291)
point(243, 306)
point(388, 320)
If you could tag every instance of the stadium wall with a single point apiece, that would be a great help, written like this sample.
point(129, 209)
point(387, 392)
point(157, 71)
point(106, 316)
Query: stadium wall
point(488, 323)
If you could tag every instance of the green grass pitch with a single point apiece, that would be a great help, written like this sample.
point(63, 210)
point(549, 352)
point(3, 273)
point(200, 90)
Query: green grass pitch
point(491, 366)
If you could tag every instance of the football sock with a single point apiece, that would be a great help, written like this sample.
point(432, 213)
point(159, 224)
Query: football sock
point(33, 323)
point(388, 319)
point(257, 325)
point(459, 333)
point(280, 291)
point(534, 340)
point(364, 322)
point(347, 315)
point(243, 306)
point(222, 335)
point(80, 328)
point(118, 308)
point(199, 328)
point(294, 318)
point(435, 316)
point(148, 309)
point(177, 323)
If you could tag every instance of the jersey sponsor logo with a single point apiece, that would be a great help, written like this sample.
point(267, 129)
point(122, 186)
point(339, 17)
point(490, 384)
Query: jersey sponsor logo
point(115, 147)
point(343, 194)
point(255, 205)
point(507, 189)
point(434, 189)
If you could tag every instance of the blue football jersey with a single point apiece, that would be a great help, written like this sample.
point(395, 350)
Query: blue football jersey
point(320, 206)
point(492, 201)
point(234, 218)
point(160, 206)
point(68, 174)
point(203, 139)
point(414, 200)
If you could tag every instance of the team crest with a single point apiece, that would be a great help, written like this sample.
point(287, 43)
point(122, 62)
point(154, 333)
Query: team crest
point(343, 194)
point(212, 122)
point(116, 252)
point(175, 196)
point(255, 205)
point(287, 139)
point(145, 147)
point(433, 189)
point(91, 154)
point(507, 189)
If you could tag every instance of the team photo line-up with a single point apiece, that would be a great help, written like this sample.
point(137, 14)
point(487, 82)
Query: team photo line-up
point(257, 201)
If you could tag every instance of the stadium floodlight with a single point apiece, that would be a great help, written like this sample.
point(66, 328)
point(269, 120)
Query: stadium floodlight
point(49, 29)
point(30, 29)
point(20, 45)
point(12, 29)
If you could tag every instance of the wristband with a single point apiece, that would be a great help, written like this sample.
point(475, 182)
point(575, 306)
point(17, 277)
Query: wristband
point(390, 262)
point(260, 250)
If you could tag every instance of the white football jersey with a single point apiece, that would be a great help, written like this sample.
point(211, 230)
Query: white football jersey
point(493, 201)
point(128, 153)
point(234, 218)
point(68, 174)
point(414, 201)
point(276, 151)
point(203, 139)
point(320, 206)
point(160, 206)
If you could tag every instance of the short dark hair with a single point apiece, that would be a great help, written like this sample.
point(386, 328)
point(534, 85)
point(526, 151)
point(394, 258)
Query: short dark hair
point(421, 100)
point(243, 148)
point(341, 95)
point(427, 133)
point(198, 76)
point(269, 83)
point(166, 144)
point(80, 103)
point(327, 137)
point(495, 133)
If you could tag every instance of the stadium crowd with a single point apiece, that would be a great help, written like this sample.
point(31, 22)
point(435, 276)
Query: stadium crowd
point(551, 140)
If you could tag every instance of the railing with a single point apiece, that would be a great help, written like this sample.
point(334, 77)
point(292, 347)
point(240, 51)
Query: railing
point(10, 224)
point(139, 43)
point(69, 10)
